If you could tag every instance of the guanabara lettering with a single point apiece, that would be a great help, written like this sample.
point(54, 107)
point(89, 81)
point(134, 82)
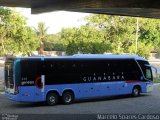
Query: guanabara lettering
point(103, 77)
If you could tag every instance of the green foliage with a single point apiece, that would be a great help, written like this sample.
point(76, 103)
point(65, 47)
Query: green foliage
point(142, 49)
point(54, 43)
point(41, 30)
point(15, 36)
point(156, 80)
point(115, 34)
point(150, 32)
point(41, 33)
point(85, 39)
point(102, 33)
point(119, 30)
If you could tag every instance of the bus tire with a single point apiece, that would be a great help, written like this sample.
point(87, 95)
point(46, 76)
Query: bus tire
point(136, 91)
point(52, 99)
point(67, 97)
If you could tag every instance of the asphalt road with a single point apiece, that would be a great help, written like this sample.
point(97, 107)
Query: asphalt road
point(1, 74)
point(145, 104)
point(1, 78)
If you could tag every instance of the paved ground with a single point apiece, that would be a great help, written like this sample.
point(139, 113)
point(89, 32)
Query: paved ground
point(1, 73)
point(145, 104)
point(1, 78)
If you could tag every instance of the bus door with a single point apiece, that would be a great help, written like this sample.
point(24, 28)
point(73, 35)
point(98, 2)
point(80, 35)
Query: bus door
point(40, 81)
point(40, 87)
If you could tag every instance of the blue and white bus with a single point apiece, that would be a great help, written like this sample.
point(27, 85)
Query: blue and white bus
point(68, 78)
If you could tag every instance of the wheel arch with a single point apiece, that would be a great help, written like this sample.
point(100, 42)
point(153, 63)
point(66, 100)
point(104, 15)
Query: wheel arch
point(138, 86)
point(53, 91)
point(68, 90)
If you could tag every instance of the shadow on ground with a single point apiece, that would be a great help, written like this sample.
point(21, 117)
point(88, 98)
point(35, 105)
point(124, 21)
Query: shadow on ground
point(101, 99)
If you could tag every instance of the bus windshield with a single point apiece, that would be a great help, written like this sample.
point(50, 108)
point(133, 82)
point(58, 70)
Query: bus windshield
point(9, 74)
point(146, 69)
point(9, 81)
point(148, 73)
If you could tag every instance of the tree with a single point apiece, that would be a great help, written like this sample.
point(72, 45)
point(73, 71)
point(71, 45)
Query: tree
point(41, 32)
point(54, 43)
point(120, 33)
point(142, 49)
point(15, 36)
point(85, 39)
point(115, 34)
point(149, 32)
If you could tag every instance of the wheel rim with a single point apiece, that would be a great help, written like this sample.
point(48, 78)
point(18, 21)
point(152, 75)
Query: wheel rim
point(68, 98)
point(52, 99)
point(136, 92)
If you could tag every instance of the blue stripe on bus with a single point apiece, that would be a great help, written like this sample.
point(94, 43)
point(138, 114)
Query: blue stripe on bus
point(81, 91)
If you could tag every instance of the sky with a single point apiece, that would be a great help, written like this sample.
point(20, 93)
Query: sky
point(54, 20)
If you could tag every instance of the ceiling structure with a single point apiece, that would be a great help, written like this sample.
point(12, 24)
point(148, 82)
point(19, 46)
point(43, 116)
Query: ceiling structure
point(139, 8)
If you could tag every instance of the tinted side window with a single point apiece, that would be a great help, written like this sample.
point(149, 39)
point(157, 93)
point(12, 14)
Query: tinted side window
point(132, 70)
point(29, 67)
point(129, 69)
point(91, 66)
point(46, 67)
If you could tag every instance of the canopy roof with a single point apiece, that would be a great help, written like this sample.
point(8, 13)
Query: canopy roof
point(141, 8)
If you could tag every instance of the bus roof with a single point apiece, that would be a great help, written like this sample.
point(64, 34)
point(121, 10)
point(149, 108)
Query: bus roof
point(110, 56)
point(96, 56)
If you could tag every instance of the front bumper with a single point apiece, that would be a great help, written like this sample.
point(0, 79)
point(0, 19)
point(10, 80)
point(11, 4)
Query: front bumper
point(149, 87)
point(12, 97)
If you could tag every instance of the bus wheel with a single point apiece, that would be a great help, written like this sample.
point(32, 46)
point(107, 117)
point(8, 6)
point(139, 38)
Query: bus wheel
point(67, 97)
point(52, 99)
point(136, 91)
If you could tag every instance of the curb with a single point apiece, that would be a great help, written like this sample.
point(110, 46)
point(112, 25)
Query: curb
point(156, 84)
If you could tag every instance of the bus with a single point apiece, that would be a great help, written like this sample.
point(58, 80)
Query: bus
point(68, 78)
